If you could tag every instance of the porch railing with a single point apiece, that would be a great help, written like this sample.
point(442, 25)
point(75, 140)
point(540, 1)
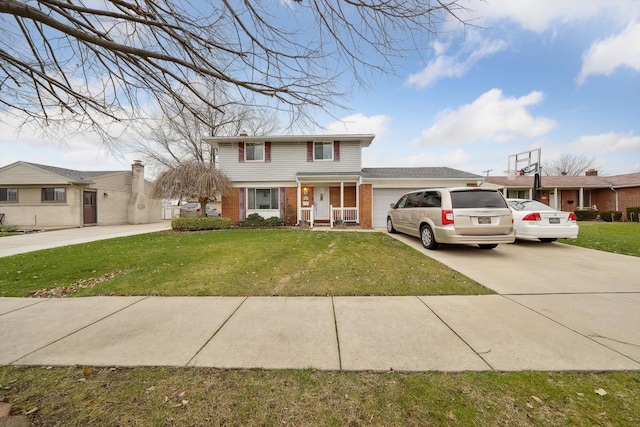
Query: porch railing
point(306, 215)
point(344, 215)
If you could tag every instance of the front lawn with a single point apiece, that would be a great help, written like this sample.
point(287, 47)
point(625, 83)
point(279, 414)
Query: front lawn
point(617, 237)
point(82, 396)
point(232, 263)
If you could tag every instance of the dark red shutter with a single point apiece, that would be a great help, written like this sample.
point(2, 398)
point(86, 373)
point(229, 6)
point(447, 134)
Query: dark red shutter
point(336, 151)
point(241, 152)
point(242, 204)
point(309, 151)
point(267, 151)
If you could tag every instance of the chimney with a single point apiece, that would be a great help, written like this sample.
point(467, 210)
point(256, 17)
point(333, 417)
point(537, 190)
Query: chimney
point(138, 212)
point(591, 172)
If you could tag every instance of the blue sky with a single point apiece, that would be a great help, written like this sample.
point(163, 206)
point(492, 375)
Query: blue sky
point(559, 75)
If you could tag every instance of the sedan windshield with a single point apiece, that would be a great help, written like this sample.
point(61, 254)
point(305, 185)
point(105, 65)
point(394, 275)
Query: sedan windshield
point(529, 205)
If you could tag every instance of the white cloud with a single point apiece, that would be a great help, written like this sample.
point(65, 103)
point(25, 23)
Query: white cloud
point(450, 66)
point(490, 117)
point(611, 142)
point(540, 16)
point(605, 56)
point(359, 123)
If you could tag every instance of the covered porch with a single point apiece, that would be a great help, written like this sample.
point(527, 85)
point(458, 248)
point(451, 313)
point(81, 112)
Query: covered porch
point(328, 199)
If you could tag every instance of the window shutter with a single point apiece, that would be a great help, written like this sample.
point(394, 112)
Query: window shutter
point(241, 152)
point(267, 152)
point(242, 207)
point(336, 151)
point(309, 151)
point(283, 202)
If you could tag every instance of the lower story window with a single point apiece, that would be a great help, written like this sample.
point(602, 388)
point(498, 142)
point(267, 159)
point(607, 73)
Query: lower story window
point(262, 198)
point(9, 195)
point(54, 194)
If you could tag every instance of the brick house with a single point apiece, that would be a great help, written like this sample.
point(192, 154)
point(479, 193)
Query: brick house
point(571, 193)
point(317, 179)
point(41, 196)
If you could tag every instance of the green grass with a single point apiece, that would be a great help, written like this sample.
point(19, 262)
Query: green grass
point(197, 396)
point(236, 262)
point(617, 237)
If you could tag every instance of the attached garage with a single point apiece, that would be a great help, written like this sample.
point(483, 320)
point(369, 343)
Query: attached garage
point(388, 184)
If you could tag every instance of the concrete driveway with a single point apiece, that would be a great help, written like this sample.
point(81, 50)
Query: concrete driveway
point(593, 293)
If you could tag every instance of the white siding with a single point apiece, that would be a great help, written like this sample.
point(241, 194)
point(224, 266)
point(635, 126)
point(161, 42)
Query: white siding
point(287, 159)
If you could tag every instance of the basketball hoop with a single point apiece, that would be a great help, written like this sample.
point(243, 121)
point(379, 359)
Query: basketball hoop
point(511, 174)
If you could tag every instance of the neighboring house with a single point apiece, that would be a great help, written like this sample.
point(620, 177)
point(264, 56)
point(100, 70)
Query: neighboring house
point(571, 193)
point(317, 179)
point(40, 196)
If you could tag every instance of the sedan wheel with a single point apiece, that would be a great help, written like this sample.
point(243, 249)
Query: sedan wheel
point(427, 237)
point(390, 228)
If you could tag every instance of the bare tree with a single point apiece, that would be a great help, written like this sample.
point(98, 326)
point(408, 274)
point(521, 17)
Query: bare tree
point(568, 164)
point(177, 137)
point(69, 61)
point(193, 180)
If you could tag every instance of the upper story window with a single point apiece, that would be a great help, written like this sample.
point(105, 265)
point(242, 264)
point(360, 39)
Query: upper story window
point(254, 152)
point(323, 151)
point(54, 194)
point(9, 195)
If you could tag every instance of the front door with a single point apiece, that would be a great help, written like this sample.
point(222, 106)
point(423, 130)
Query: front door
point(89, 209)
point(321, 203)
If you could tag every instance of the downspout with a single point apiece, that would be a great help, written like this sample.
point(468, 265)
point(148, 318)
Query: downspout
point(614, 190)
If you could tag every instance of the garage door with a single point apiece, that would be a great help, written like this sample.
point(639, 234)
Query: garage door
point(382, 198)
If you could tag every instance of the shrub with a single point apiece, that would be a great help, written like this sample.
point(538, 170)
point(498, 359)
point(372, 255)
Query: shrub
point(610, 216)
point(586, 215)
point(274, 221)
point(633, 213)
point(8, 228)
point(253, 220)
point(196, 224)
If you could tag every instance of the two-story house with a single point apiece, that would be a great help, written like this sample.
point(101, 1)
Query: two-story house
point(317, 179)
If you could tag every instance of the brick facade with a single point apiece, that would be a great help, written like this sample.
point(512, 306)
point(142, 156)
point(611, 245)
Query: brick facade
point(231, 206)
point(366, 206)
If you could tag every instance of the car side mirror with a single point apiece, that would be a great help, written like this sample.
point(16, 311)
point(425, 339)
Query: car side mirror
point(392, 205)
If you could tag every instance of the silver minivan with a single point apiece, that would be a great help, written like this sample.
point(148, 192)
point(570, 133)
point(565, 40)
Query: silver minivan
point(471, 215)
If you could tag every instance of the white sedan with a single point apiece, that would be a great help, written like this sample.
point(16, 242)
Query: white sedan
point(536, 221)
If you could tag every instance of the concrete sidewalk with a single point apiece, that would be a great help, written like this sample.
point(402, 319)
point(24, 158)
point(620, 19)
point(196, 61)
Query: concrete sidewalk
point(439, 333)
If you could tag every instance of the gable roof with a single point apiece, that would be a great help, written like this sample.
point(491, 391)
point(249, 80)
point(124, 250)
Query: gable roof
point(363, 139)
point(582, 181)
point(71, 176)
point(417, 173)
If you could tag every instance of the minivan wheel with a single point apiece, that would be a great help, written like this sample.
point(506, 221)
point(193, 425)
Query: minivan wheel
point(427, 238)
point(390, 228)
point(488, 245)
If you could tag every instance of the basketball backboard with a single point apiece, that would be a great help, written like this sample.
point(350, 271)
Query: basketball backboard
point(525, 163)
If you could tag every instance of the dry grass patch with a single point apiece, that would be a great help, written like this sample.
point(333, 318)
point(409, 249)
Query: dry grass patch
point(198, 396)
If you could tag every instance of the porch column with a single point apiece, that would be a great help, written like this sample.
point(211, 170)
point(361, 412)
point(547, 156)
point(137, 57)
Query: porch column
point(581, 198)
point(555, 198)
point(531, 193)
point(298, 204)
point(357, 202)
point(341, 200)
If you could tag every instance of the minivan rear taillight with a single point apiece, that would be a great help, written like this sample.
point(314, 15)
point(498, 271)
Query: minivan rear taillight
point(447, 217)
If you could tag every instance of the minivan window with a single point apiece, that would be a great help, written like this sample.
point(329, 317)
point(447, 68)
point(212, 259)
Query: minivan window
point(477, 199)
point(431, 199)
point(414, 200)
point(400, 204)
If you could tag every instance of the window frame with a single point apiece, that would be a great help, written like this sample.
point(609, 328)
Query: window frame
point(254, 145)
point(324, 144)
point(274, 199)
point(56, 190)
point(6, 192)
